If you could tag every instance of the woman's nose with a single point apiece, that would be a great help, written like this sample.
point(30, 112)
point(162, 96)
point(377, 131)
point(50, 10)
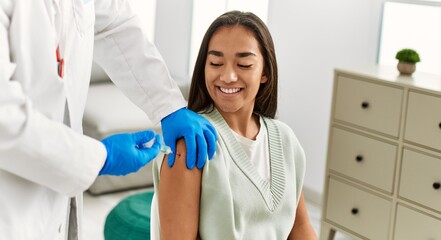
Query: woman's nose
point(228, 75)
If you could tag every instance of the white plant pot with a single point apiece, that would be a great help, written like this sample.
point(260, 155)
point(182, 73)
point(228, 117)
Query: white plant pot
point(406, 68)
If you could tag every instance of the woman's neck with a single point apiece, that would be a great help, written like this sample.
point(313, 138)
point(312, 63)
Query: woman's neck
point(244, 123)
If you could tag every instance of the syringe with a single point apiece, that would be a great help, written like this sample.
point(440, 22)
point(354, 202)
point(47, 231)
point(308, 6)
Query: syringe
point(164, 148)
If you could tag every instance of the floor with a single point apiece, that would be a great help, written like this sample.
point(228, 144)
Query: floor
point(96, 209)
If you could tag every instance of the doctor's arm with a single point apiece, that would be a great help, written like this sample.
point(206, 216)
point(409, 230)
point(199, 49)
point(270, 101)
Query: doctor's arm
point(33, 145)
point(302, 228)
point(179, 198)
point(136, 67)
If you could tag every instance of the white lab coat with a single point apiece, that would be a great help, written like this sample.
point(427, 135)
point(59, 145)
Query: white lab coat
point(43, 162)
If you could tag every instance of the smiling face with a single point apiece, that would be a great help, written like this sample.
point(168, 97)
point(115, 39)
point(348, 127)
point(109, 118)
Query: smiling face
point(234, 69)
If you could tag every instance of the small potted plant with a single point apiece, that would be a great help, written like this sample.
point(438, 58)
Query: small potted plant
point(407, 58)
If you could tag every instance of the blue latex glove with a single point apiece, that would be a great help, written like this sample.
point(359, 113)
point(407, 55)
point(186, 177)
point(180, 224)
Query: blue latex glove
point(197, 132)
point(125, 153)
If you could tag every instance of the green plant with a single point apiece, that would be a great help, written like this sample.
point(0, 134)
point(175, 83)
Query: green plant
point(407, 55)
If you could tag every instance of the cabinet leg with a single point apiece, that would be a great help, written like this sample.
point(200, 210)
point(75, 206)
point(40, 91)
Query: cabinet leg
point(326, 232)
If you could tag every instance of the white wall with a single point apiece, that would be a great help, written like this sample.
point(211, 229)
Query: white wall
point(311, 38)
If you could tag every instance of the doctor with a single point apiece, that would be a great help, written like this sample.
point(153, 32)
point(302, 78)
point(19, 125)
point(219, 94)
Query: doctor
point(46, 49)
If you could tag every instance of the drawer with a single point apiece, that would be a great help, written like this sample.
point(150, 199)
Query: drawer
point(365, 159)
point(373, 106)
point(420, 179)
point(415, 225)
point(423, 120)
point(364, 213)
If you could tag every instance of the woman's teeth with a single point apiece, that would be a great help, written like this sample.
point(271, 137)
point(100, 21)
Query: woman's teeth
point(229, 90)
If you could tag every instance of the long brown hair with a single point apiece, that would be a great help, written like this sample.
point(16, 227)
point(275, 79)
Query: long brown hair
point(266, 100)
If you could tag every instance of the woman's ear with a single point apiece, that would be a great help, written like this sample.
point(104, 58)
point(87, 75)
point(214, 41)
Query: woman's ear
point(264, 78)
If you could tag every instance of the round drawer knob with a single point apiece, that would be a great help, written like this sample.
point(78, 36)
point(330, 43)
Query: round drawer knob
point(354, 211)
point(436, 185)
point(364, 105)
point(359, 158)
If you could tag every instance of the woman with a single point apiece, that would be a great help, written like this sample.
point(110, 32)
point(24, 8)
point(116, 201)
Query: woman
point(252, 187)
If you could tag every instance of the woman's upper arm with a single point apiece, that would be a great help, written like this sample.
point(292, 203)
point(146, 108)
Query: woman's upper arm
point(302, 228)
point(179, 197)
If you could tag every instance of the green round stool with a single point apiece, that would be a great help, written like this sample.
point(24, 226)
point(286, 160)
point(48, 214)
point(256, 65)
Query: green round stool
point(130, 218)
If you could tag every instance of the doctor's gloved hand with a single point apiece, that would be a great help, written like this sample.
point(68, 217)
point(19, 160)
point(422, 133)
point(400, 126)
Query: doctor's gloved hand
point(126, 154)
point(198, 133)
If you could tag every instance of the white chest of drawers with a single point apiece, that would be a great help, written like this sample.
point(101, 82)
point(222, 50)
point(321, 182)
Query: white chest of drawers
point(383, 172)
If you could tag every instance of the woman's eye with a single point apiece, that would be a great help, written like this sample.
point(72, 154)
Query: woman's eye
point(215, 64)
point(245, 65)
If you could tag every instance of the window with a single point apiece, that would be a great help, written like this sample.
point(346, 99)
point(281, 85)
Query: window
point(204, 13)
point(412, 24)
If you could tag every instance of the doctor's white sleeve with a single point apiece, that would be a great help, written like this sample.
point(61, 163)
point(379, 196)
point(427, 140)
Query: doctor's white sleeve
point(132, 61)
point(34, 147)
